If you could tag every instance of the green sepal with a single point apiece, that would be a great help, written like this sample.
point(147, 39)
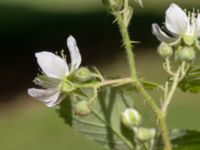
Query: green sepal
point(188, 39)
point(67, 86)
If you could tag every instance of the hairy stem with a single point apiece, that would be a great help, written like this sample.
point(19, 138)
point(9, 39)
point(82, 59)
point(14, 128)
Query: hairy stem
point(128, 46)
point(164, 130)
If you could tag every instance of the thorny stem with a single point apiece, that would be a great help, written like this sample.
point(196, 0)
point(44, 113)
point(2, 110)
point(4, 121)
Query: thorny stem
point(128, 46)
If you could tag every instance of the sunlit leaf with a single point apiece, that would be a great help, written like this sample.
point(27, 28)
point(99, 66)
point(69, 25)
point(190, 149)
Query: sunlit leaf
point(103, 124)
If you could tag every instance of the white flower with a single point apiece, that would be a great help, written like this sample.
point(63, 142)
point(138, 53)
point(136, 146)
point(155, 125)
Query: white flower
point(55, 70)
point(178, 23)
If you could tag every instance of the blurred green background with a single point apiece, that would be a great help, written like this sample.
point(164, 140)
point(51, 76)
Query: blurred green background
point(27, 26)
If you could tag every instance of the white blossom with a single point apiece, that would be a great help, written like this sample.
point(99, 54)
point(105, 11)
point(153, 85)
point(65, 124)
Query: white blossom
point(178, 24)
point(54, 72)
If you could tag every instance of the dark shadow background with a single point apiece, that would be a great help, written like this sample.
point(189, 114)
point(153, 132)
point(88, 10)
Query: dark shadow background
point(24, 31)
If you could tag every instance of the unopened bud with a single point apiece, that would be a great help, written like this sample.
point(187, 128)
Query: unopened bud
point(82, 108)
point(131, 117)
point(186, 54)
point(83, 74)
point(145, 134)
point(188, 39)
point(165, 50)
point(67, 86)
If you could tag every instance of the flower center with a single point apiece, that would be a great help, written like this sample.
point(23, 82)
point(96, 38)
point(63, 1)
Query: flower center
point(190, 34)
point(46, 82)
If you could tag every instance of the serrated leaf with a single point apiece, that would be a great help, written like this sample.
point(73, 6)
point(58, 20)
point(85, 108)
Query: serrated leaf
point(103, 124)
point(182, 140)
point(191, 82)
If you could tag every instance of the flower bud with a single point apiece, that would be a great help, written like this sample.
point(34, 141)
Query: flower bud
point(82, 108)
point(67, 86)
point(145, 134)
point(165, 50)
point(188, 39)
point(83, 74)
point(131, 117)
point(186, 54)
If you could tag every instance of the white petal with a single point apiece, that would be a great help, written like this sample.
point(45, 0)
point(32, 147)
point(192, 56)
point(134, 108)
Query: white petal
point(52, 65)
point(176, 19)
point(74, 53)
point(197, 28)
point(50, 96)
point(161, 36)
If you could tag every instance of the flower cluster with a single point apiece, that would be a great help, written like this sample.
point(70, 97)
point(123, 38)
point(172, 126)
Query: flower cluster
point(182, 34)
point(179, 24)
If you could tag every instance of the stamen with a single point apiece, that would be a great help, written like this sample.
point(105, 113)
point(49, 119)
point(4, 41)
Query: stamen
point(192, 17)
point(46, 82)
point(63, 55)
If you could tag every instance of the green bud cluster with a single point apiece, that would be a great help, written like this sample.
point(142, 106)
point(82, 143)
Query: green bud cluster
point(131, 118)
point(183, 52)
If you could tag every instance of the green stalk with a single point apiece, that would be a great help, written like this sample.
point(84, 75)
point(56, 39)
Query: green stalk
point(172, 90)
point(131, 61)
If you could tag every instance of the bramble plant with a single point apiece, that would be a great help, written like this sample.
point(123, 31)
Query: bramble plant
point(103, 109)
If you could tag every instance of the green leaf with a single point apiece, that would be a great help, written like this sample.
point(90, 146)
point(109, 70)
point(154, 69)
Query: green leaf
point(183, 140)
point(103, 124)
point(191, 82)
